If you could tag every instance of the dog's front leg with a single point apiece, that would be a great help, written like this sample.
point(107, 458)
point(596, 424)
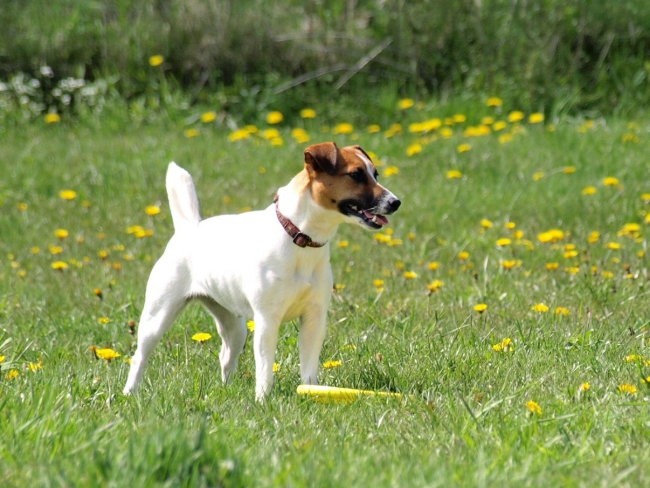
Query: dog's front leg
point(311, 337)
point(265, 342)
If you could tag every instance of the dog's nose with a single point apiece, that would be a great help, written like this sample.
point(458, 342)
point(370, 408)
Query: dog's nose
point(394, 204)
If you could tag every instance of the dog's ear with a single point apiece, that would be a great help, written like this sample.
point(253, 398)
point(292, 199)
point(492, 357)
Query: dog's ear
point(323, 157)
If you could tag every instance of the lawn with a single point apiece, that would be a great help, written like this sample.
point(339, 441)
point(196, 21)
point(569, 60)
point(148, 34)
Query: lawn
point(508, 301)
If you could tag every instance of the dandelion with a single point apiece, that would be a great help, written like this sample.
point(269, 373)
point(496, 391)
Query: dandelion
point(106, 353)
point(373, 129)
point(59, 265)
point(645, 197)
point(2, 358)
point(12, 374)
point(435, 285)
point(486, 224)
point(589, 190)
point(509, 264)
point(562, 311)
point(569, 170)
point(339, 287)
point(515, 116)
point(413, 149)
point(61, 234)
point(390, 171)
point(506, 345)
point(300, 135)
point(459, 118)
point(405, 103)
point(550, 236)
point(52, 118)
point(463, 148)
point(201, 337)
point(504, 242)
point(613, 246)
point(67, 195)
point(633, 358)
point(152, 210)
point(538, 175)
point(103, 320)
point(584, 387)
point(343, 244)
point(156, 60)
point(191, 133)
point(534, 407)
point(34, 367)
point(410, 275)
point(333, 363)
point(274, 117)
point(55, 250)
point(611, 181)
point(593, 237)
point(540, 308)
point(494, 102)
point(343, 128)
point(308, 113)
point(276, 367)
point(207, 117)
point(433, 265)
point(250, 325)
point(627, 389)
point(536, 118)
point(378, 284)
point(239, 134)
point(463, 255)
point(480, 307)
point(454, 174)
point(98, 293)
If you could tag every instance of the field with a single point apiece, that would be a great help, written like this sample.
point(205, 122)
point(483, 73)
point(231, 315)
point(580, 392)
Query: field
point(509, 301)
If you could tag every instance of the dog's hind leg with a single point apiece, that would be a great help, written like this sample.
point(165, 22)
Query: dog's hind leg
point(232, 330)
point(265, 342)
point(163, 303)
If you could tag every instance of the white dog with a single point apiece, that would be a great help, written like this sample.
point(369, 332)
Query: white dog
point(270, 265)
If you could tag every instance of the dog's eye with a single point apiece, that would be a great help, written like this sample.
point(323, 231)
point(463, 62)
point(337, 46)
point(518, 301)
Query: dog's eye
point(359, 176)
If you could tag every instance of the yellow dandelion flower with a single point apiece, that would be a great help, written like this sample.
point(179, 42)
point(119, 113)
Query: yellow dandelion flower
point(463, 148)
point(454, 174)
point(343, 128)
point(300, 135)
point(486, 224)
point(584, 387)
point(538, 175)
point(551, 236)
point(494, 102)
point(562, 311)
point(373, 129)
point(105, 353)
point(103, 320)
point(202, 337)
point(156, 60)
point(506, 345)
point(480, 307)
point(633, 358)
point(611, 181)
point(645, 197)
point(593, 237)
point(339, 287)
point(308, 113)
point(250, 325)
point(628, 389)
point(499, 125)
point(509, 264)
point(67, 194)
point(540, 308)
point(61, 234)
point(207, 117)
point(515, 116)
point(152, 210)
point(504, 242)
point(459, 118)
point(536, 118)
point(378, 283)
point(52, 118)
point(191, 133)
point(2, 358)
point(390, 171)
point(569, 170)
point(552, 266)
point(433, 265)
point(12, 374)
point(413, 149)
point(274, 117)
point(276, 367)
point(613, 246)
point(405, 103)
point(589, 190)
point(463, 255)
point(59, 265)
point(410, 275)
point(55, 250)
point(332, 363)
point(534, 407)
point(239, 134)
point(435, 285)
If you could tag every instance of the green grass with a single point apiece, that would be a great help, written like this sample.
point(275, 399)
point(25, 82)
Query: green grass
point(465, 420)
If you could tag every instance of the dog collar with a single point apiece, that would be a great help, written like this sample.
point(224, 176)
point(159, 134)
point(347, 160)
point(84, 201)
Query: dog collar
point(299, 239)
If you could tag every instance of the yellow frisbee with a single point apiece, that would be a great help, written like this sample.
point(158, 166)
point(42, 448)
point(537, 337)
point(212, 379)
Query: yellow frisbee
point(333, 394)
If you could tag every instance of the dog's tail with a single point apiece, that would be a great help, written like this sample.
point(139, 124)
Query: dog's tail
point(183, 202)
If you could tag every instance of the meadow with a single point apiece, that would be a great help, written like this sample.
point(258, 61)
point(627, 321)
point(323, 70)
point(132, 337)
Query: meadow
point(508, 301)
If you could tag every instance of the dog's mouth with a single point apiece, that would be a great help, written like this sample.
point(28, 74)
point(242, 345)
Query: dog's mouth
point(366, 216)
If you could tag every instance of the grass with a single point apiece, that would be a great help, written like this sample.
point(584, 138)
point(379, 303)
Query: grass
point(468, 418)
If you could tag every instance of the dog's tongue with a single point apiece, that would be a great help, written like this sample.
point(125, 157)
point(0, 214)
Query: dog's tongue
point(377, 219)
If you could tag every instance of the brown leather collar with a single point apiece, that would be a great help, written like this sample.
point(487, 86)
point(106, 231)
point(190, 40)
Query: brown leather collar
point(299, 239)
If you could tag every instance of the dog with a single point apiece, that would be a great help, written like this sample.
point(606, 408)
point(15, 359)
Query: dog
point(271, 265)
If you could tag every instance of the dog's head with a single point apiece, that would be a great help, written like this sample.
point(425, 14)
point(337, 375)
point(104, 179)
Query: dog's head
point(345, 180)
